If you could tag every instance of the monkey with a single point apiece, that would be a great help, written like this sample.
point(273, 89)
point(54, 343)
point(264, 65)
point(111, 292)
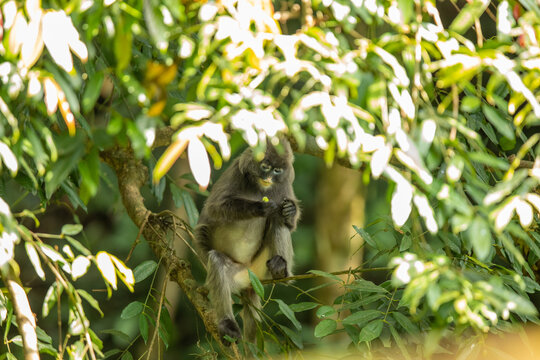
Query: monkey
point(246, 223)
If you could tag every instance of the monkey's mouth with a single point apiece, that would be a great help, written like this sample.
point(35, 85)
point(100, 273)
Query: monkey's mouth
point(265, 182)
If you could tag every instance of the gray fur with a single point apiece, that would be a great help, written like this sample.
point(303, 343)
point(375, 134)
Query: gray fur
point(247, 224)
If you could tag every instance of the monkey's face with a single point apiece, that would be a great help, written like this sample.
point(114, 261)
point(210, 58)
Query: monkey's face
point(268, 174)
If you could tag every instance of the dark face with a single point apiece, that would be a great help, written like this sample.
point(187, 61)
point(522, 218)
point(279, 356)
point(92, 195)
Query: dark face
point(269, 173)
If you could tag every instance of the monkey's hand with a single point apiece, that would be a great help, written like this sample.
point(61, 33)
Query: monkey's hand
point(288, 211)
point(277, 266)
point(228, 327)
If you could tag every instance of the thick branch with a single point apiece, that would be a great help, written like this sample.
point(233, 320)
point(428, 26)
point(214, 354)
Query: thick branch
point(25, 318)
point(132, 175)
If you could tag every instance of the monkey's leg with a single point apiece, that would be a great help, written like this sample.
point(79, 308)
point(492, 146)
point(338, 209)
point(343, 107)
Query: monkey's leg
point(250, 314)
point(278, 238)
point(219, 281)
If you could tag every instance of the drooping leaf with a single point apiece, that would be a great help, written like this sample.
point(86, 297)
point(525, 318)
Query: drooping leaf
point(256, 283)
point(295, 336)
point(91, 300)
point(286, 310)
point(503, 126)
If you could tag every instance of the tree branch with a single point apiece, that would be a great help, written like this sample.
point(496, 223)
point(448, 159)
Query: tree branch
point(132, 175)
point(25, 318)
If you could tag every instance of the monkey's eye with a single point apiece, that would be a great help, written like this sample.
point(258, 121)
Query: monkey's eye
point(265, 167)
point(278, 170)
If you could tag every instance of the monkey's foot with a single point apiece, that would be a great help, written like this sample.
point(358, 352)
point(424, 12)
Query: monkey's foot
point(228, 327)
point(277, 266)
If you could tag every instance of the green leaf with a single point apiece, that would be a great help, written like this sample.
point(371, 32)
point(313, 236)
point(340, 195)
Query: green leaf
point(326, 275)
point(43, 336)
point(89, 170)
point(399, 342)
point(286, 310)
point(405, 322)
point(303, 306)
point(34, 259)
point(71, 229)
point(143, 327)
point(361, 317)
point(407, 10)
point(77, 245)
point(371, 331)
point(325, 311)
point(489, 160)
point(479, 235)
point(470, 104)
point(90, 299)
point(366, 286)
point(500, 123)
point(256, 283)
point(72, 151)
point(131, 310)
point(325, 327)
point(117, 334)
point(154, 23)
point(127, 356)
point(466, 16)
point(405, 243)
point(365, 235)
point(144, 270)
point(92, 90)
point(294, 336)
point(123, 40)
point(183, 198)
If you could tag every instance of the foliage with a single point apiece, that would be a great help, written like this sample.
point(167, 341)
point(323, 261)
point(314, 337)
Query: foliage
point(446, 115)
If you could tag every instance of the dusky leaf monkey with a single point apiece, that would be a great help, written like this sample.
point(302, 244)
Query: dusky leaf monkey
point(246, 223)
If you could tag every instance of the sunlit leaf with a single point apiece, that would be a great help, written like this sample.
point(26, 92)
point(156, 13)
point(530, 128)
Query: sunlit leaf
point(168, 158)
point(34, 259)
point(106, 267)
point(51, 297)
point(466, 16)
point(79, 267)
point(199, 162)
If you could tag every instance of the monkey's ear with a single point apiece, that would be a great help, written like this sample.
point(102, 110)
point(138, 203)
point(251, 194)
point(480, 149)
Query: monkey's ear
point(245, 160)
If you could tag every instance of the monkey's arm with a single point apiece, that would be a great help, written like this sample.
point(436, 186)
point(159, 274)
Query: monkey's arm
point(237, 208)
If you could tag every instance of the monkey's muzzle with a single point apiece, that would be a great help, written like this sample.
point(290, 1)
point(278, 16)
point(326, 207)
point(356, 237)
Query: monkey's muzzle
point(266, 182)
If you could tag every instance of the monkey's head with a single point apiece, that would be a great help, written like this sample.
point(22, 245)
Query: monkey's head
point(275, 168)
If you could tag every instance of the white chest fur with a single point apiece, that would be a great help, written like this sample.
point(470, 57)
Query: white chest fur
point(240, 240)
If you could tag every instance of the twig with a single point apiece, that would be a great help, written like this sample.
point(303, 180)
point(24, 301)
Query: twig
point(523, 164)
point(138, 238)
point(311, 276)
point(160, 305)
